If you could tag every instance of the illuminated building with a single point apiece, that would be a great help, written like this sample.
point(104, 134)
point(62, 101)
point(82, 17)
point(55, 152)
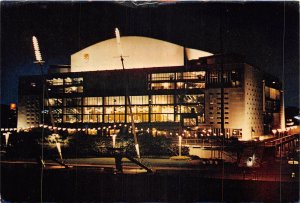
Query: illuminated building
point(8, 115)
point(173, 89)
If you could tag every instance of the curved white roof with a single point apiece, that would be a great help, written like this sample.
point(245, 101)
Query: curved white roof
point(139, 52)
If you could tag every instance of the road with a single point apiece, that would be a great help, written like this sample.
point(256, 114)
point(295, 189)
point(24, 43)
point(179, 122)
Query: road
point(278, 171)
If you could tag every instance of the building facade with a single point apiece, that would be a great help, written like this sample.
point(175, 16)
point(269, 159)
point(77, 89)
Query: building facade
point(181, 98)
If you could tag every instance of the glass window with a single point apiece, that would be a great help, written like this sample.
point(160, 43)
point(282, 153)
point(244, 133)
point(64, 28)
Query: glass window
point(74, 89)
point(162, 109)
point(189, 121)
point(138, 118)
point(117, 118)
point(73, 81)
point(191, 98)
point(74, 110)
point(76, 101)
point(195, 85)
point(92, 118)
point(200, 75)
point(190, 85)
point(274, 94)
point(141, 100)
point(138, 109)
point(92, 110)
point(180, 85)
point(199, 109)
point(55, 81)
point(72, 118)
point(118, 100)
point(54, 102)
point(92, 101)
point(162, 117)
point(162, 99)
point(162, 86)
point(163, 76)
point(116, 110)
point(56, 111)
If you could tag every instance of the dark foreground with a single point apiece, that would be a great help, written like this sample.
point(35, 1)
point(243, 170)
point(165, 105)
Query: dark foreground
point(23, 183)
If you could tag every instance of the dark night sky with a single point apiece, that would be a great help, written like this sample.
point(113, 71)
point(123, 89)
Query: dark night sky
point(254, 30)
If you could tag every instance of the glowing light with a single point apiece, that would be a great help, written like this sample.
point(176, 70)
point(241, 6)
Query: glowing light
point(12, 106)
point(179, 144)
point(59, 149)
point(250, 161)
point(118, 38)
point(37, 52)
point(137, 150)
point(274, 131)
point(114, 140)
point(6, 137)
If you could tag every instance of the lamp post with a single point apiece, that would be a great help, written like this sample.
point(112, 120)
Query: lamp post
point(6, 137)
point(279, 131)
point(114, 140)
point(179, 144)
point(40, 62)
point(274, 131)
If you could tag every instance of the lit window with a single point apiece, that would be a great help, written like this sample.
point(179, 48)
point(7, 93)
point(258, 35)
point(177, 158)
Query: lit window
point(74, 89)
point(118, 100)
point(142, 100)
point(200, 75)
point(163, 76)
point(162, 86)
point(189, 121)
point(92, 101)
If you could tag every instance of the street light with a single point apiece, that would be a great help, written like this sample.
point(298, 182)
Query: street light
point(6, 137)
point(279, 130)
point(114, 140)
point(274, 131)
point(179, 144)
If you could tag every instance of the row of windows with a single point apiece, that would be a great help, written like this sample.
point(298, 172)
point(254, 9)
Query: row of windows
point(197, 109)
point(66, 90)
point(229, 77)
point(120, 100)
point(199, 75)
point(179, 85)
point(65, 81)
point(117, 118)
